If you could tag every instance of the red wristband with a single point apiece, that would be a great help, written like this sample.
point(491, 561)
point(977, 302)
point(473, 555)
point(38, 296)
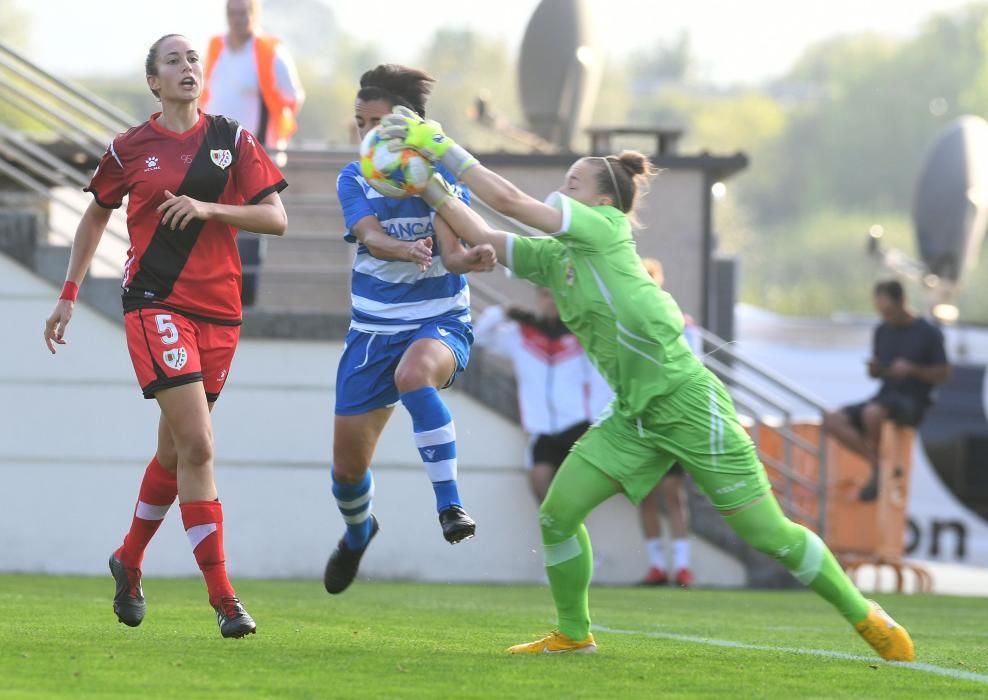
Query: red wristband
point(70, 291)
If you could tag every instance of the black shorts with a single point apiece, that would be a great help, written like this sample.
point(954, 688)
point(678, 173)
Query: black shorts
point(552, 448)
point(902, 409)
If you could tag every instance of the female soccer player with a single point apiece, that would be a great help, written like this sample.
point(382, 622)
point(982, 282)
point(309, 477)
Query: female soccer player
point(409, 335)
point(192, 180)
point(667, 406)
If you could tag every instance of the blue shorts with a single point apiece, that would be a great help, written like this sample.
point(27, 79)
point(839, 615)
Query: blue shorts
point(365, 380)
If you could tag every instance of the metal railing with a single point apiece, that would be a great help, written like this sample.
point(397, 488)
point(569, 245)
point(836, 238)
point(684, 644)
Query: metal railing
point(81, 110)
point(78, 118)
point(38, 171)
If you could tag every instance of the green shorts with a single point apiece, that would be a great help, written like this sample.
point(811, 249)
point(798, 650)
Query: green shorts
point(696, 426)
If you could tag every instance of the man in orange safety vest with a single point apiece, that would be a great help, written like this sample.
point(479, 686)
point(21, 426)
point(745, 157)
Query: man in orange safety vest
point(251, 78)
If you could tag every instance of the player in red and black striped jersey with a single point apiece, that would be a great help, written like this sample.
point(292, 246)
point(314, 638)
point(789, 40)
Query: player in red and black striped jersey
point(195, 269)
point(192, 180)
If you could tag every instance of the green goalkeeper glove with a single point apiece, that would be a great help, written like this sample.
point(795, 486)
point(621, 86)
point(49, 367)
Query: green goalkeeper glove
point(405, 129)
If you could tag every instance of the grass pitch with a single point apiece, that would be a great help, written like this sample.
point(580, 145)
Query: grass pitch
point(59, 638)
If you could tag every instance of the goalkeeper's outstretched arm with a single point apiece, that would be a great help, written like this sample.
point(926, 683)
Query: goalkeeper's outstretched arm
point(504, 197)
point(469, 226)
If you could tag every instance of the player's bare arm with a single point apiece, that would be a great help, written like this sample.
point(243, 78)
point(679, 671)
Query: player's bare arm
point(267, 216)
point(87, 238)
point(383, 247)
point(459, 259)
point(470, 227)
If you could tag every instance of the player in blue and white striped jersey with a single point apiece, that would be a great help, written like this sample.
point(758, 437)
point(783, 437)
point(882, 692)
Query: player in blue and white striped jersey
point(410, 332)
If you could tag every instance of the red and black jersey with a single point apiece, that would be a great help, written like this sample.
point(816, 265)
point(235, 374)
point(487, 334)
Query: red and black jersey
point(195, 271)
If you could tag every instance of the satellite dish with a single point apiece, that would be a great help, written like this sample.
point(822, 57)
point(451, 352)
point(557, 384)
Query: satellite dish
point(950, 205)
point(559, 70)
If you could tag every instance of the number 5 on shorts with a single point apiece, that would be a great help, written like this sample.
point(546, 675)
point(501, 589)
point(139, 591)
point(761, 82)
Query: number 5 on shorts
point(167, 329)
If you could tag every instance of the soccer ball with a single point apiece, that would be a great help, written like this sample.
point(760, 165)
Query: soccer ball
point(398, 174)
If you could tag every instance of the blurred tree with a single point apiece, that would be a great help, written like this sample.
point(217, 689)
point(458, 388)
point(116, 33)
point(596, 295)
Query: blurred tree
point(615, 98)
point(878, 105)
point(309, 30)
point(466, 66)
point(818, 265)
point(327, 117)
point(668, 61)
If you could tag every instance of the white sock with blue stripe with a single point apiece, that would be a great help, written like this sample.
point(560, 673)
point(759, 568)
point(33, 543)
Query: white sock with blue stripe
point(435, 437)
point(354, 502)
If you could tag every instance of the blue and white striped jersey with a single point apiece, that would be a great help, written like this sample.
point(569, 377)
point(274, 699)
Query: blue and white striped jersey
point(391, 296)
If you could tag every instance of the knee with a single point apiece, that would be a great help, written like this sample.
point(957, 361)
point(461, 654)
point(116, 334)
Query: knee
point(834, 420)
point(779, 541)
point(770, 538)
point(348, 472)
point(349, 465)
point(195, 450)
point(554, 520)
point(873, 415)
point(412, 377)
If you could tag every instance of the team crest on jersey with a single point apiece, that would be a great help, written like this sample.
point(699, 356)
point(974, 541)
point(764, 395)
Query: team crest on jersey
point(222, 157)
point(175, 358)
point(570, 275)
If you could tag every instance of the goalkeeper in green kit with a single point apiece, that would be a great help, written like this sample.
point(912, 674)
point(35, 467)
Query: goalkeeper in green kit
point(667, 408)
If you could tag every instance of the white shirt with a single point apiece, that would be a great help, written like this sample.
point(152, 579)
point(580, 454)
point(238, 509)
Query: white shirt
point(235, 91)
point(557, 386)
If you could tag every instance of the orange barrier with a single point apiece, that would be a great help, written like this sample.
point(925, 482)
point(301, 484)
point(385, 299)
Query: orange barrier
point(859, 533)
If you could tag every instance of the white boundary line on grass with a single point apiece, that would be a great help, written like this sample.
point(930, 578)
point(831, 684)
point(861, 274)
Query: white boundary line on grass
point(913, 665)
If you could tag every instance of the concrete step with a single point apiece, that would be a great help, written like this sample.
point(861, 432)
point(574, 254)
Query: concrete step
point(311, 172)
point(305, 293)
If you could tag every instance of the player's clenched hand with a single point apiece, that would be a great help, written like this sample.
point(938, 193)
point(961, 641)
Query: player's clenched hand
point(420, 253)
point(178, 211)
point(481, 258)
point(56, 323)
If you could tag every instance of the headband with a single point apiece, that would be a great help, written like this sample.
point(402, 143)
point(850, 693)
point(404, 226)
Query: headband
point(610, 171)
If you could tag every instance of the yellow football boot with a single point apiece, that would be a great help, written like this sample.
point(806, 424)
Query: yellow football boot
point(556, 643)
point(885, 635)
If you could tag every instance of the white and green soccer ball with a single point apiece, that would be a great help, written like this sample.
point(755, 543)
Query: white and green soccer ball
point(398, 174)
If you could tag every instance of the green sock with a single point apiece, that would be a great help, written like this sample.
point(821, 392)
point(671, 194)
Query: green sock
point(577, 489)
point(569, 565)
point(767, 529)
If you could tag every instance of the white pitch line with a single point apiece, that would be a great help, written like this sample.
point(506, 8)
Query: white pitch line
point(913, 665)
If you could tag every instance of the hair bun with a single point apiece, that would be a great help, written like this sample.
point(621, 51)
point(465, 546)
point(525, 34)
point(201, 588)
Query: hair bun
point(634, 162)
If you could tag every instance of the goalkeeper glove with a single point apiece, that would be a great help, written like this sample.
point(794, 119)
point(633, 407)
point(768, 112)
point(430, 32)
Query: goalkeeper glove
point(405, 129)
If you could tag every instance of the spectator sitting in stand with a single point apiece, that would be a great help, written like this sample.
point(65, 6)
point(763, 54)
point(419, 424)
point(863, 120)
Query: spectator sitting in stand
point(908, 357)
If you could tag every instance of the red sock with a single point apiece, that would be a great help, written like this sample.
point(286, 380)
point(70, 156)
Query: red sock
point(158, 491)
point(203, 522)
